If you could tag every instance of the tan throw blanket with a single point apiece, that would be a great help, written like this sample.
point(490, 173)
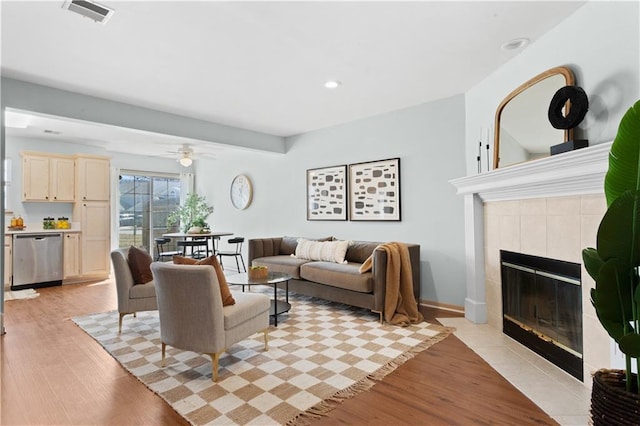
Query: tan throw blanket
point(400, 307)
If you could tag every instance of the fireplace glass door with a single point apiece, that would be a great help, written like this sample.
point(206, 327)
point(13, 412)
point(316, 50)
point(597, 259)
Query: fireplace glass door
point(542, 304)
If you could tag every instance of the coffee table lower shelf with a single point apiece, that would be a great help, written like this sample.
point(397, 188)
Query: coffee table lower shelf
point(273, 279)
point(279, 307)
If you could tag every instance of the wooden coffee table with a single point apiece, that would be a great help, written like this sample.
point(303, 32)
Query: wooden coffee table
point(273, 279)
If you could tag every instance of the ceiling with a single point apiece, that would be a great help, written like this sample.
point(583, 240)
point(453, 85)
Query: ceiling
point(261, 65)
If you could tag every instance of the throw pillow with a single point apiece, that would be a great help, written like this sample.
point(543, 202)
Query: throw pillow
point(328, 251)
point(140, 265)
point(289, 244)
point(225, 293)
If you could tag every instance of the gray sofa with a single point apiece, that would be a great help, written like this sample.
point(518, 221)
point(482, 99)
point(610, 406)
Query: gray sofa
point(333, 281)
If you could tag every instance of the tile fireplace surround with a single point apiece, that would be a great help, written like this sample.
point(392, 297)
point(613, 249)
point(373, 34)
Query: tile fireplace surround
point(549, 207)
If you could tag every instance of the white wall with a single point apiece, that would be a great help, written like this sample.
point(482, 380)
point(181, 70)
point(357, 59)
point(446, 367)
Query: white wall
point(429, 139)
point(600, 42)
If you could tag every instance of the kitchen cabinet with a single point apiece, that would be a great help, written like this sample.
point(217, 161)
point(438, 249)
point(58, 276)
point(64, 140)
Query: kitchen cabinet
point(94, 220)
point(71, 247)
point(92, 178)
point(48, 178)
point(8, 260)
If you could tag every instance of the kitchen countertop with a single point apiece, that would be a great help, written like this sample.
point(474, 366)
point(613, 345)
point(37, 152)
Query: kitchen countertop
point(41, 231)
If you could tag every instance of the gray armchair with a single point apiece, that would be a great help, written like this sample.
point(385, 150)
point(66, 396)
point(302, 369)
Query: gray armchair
point(192, 316)
point(132, 297)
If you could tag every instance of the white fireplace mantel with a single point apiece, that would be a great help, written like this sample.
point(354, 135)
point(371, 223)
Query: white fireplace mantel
point(571, 173)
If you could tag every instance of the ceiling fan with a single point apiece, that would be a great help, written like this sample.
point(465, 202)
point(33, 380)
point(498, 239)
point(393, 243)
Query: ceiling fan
point(186, 152)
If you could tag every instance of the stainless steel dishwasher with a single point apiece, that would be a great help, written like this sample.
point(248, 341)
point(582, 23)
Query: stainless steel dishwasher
point(37, 260)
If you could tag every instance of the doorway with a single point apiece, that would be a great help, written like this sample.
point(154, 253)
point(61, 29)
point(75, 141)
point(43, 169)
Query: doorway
point(145, 201)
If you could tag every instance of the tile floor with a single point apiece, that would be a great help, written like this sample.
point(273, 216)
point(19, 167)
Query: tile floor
point(559, 394)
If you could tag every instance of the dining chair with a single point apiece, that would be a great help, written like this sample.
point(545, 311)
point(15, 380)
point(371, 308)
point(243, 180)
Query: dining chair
point(197, 248)
point(160, 251)
point(237, 253)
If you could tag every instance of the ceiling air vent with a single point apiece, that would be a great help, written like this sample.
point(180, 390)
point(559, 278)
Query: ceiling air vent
point(89, 9)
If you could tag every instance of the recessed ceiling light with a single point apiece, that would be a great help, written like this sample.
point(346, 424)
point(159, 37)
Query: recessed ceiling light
point(332, 84)
point(515, 44)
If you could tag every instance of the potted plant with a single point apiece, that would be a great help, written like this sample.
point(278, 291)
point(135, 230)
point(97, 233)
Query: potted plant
point(614, 267)
point(192, 214)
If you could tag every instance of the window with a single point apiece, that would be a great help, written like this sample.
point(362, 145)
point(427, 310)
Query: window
point(145, 202)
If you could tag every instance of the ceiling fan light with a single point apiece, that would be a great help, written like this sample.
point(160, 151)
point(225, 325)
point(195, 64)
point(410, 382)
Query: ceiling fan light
point(332, 84)
point(186, 161)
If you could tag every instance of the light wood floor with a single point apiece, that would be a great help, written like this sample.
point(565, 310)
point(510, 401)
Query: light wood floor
point(54, 374)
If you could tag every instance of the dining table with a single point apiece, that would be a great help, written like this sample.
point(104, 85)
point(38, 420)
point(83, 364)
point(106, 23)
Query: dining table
point(209, 235)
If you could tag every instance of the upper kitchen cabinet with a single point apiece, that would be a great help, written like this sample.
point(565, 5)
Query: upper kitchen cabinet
point(47, 177)
point(92, 178)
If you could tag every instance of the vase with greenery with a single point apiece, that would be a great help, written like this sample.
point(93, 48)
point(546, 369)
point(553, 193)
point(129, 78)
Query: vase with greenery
point(193, 213)
point(614, 263)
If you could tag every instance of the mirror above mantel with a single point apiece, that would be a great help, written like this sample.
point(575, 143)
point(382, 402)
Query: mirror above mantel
point(522, 128)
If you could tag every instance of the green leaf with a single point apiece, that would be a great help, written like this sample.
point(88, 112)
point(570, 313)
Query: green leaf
point(636, 297)
point(592, 262)
point(611, 298)
point(619, 231)
point(623, 173)
point(195, 209)
point(630, 345)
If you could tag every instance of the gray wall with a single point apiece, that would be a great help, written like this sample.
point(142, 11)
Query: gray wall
point(600, 42)
point(429, 139)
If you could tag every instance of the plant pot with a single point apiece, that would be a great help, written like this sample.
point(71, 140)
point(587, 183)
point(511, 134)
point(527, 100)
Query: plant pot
point(195, 230)
point(611, 404)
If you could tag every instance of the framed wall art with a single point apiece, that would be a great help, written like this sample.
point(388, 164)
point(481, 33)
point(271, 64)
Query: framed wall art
point(327, 193)
point(375, 190)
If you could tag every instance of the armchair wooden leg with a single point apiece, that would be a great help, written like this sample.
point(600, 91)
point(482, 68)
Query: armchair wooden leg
point(164, 350)
point(120, 322)
point(266, 339)
point(214, 365)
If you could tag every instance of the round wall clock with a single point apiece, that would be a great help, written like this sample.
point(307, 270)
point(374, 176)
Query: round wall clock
point(241, 192)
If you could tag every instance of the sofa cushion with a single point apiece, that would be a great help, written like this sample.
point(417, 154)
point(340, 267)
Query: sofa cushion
point(140, 264)
point(234, 315)
point(141, 291)
point(328, 251)
point(359, 251)
point(283, 263)
point(340, 275)
point(288, 245)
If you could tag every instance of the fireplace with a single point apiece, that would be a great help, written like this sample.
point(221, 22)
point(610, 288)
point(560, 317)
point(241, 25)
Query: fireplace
point(550, 207)
point(542, 307)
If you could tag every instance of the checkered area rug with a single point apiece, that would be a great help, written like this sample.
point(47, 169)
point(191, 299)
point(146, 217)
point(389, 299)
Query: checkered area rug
point(320, 353)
